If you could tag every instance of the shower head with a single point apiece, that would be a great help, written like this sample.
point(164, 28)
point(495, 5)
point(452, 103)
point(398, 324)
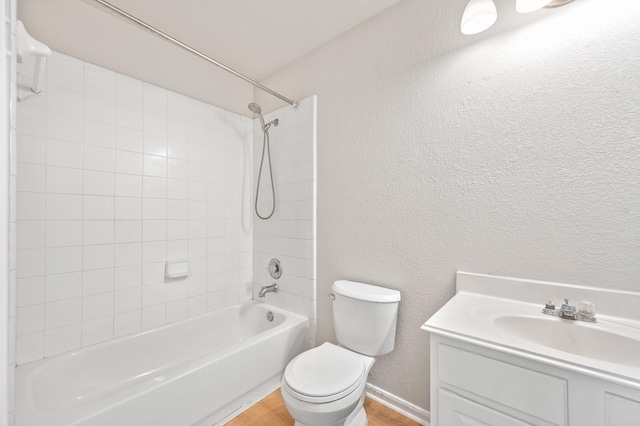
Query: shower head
point(255, 108)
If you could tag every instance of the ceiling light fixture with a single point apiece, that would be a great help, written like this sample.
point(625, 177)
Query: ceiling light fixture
point(478, 16)
point(526, 6)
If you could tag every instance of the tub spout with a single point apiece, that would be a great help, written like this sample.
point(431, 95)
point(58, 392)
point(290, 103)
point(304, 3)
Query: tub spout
point(273, 288)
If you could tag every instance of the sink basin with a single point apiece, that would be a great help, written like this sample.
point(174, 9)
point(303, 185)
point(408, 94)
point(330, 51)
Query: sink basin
point(584, 339)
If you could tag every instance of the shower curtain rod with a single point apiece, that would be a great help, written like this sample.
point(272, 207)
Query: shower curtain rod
point(188, 48)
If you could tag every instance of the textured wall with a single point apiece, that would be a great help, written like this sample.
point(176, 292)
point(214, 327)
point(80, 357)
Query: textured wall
point(514, 152)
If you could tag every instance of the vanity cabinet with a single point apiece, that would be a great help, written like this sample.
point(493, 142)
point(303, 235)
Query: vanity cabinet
point(475, 385)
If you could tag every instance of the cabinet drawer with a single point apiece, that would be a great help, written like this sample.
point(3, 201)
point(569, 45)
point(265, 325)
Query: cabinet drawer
point(531, 392)
point(458, 411)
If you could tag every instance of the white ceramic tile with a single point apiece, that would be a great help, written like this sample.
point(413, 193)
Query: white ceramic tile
point(154, 316)
point(198, 113)
point(197, 305)
point(155, 166)
point(178, 169)
point(128, 300)
point(29, 319)
point(98, 183)
point(63, 312)
point(63, 286)
point(154, 208)
point(31, 121)
point(97, 257)
point(177, 310)
point(97, 306)
point(178, 106)
point(31, 178)
point(129, 91)
point(177, 148)
point(154, 294)
point(155, 144)
point(30, 291)
point(129, 117)
point(63, 259)
point(98, 109)
point(128, 231)
point(62, 74)
point(62, 180)
point(128, 162)
point(99, 134)
point(177, 249)
point(177, 290)
point(215, 301)
point(31, 149)
point(153, 273)
point(177, 189)
point(65, 101)
point(98, 232)
point(64, 233)
point(155, 123)
point(98, 281)
point(128, 185)
point(97, 207)
point(177, 209)
point(97, 330)
point(99, 82)
point(154, 187)
point(154, 251)
point(127, 323)
point(31, 234)
point(197, 210)
point(198, 171)
point(128, 208)
point(64, 154)
point(177, 229)
point(64, 127)
point(154, 230)
point(29, 348)
point(63, 207)
point(99, 158)
point(155, 99)
point(31, 206)
point(128, 277)
point(63, 339)
point(128, 253)
point(129, 139)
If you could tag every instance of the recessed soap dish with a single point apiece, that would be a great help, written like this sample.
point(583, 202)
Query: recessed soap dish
point(177, 268)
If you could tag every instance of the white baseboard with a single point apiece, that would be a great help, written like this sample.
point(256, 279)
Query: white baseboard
point(399, 405)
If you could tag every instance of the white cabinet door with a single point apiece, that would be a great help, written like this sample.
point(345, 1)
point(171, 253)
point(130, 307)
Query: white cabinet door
point(458, 411)
point(620, 411)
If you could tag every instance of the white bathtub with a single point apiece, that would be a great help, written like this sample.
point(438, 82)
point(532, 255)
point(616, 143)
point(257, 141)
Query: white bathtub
point(196, 372)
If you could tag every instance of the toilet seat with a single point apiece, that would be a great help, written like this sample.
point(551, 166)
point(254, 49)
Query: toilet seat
point(324, 374)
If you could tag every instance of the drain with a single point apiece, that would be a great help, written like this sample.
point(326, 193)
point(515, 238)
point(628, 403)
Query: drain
point(269, 316)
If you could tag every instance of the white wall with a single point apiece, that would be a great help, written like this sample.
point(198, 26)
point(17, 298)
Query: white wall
point(290, 234)
point(514, 152)
point(115, 177)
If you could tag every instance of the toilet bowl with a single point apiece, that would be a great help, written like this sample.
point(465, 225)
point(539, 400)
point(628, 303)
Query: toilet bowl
point(326, 385)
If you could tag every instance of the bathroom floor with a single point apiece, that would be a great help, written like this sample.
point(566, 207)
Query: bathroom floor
point(272, 412)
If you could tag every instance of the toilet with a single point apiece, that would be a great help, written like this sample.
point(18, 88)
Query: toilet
point(325, 386)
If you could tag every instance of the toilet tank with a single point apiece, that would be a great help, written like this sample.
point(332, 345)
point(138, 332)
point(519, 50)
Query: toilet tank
point(365, 317)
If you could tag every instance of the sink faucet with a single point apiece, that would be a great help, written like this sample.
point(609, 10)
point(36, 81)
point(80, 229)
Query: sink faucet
point(585, 313)
point(273, 288)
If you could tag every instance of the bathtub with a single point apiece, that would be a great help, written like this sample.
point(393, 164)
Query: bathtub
point(197, 372)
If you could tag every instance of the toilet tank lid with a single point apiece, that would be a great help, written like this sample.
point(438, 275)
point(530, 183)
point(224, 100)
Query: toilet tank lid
point(365, 292)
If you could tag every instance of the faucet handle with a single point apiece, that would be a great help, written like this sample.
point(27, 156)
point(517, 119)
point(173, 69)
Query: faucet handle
point(566, 301)
point(587, 309)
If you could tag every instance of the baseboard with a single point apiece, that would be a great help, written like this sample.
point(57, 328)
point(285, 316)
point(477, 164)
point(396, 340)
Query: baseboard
point(399, 405)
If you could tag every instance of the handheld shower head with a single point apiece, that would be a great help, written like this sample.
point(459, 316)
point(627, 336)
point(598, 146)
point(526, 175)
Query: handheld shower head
point(257, 109)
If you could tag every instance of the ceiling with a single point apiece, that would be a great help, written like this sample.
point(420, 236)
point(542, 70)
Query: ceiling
point(254, 37)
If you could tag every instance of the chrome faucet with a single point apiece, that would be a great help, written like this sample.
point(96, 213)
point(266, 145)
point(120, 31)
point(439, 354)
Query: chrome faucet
point(585, 313)
point(273, 288)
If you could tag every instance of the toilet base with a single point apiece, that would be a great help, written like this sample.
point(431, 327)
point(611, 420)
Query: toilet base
point(357, 418)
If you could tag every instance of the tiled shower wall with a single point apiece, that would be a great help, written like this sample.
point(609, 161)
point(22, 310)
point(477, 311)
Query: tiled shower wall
point(116, 176)
point(290, 234)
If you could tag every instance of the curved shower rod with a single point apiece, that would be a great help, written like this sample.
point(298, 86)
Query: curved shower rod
point(188, 48)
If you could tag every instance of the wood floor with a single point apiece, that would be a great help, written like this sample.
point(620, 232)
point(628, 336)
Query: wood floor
point(272, 412)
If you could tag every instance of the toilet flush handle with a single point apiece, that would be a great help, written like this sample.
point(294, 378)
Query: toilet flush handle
point(332, 296)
